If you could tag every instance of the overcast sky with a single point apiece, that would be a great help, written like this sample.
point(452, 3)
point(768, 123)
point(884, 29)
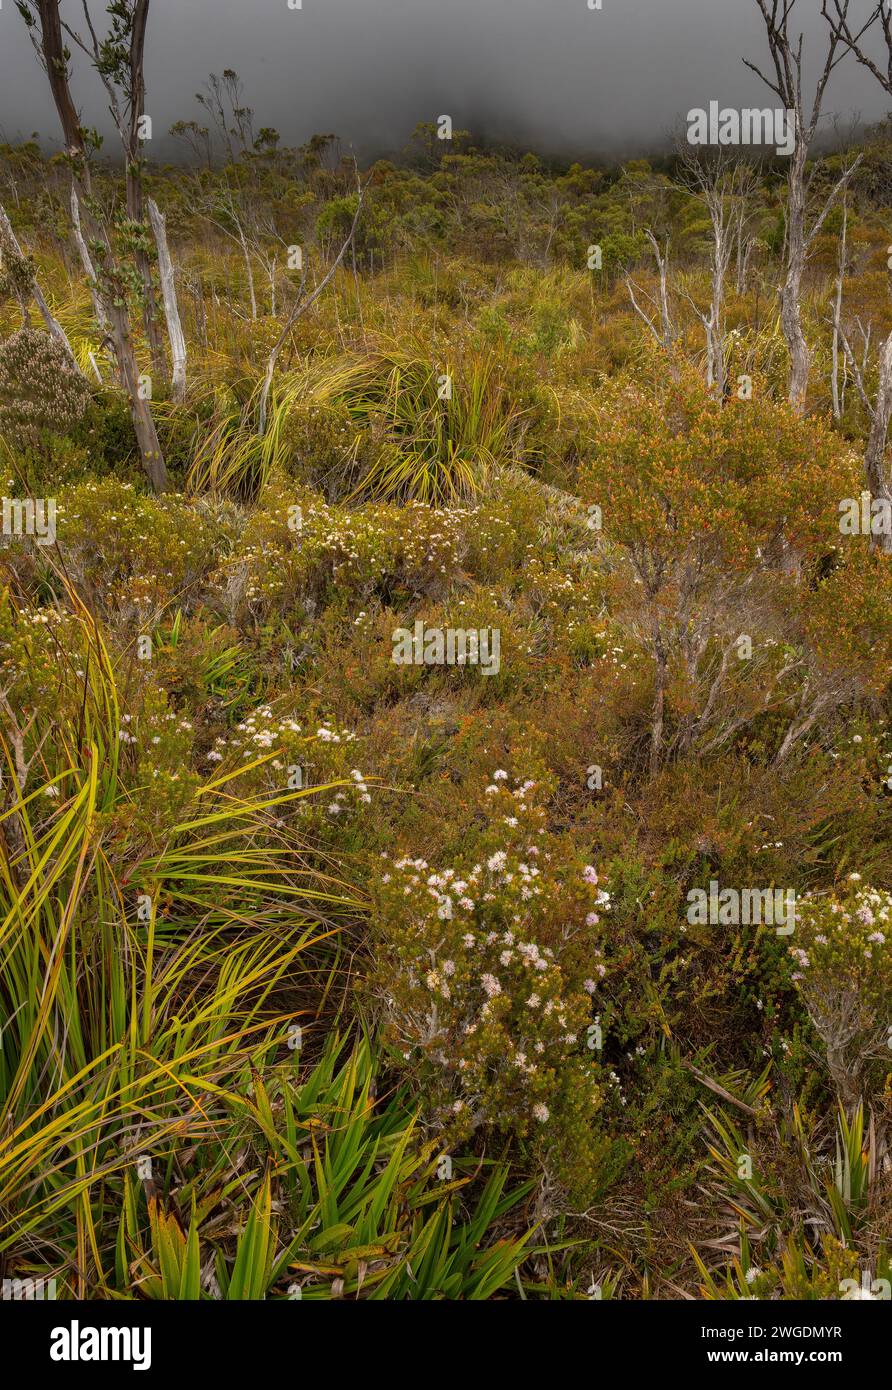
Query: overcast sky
point(550, 74)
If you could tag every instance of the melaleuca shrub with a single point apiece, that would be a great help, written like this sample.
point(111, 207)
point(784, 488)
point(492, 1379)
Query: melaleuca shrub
point(322, 445)
point(487, 972)
point(135, 554)
point(31, 675)
point(843, 956)
point(40, 391)
point(296, 549)
point(155, 756)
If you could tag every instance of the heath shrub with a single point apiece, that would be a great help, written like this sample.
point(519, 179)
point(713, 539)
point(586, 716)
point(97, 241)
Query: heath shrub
point(487, 972)
point(843, 956)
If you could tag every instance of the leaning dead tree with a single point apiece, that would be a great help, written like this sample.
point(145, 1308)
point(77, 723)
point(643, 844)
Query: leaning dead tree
point(19, 270)
point(302, 303)
point(802, 226)
point(108, 275)
point(86, 260)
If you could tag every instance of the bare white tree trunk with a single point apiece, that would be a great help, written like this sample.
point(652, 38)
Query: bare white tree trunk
point(665, 334)
point(169, 297)
point(791, 291)
point(721, 255)
point(723, 187)
point(744, 250)
point(249, 269)
point(875, 453)
point(837, 315)
point(787, 84)
point(879, 412)
point(87, 263)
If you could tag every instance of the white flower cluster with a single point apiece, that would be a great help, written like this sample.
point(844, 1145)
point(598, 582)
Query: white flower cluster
point(339, 804)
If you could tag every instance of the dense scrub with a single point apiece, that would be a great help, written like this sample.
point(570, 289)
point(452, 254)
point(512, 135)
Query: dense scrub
point(326, 971)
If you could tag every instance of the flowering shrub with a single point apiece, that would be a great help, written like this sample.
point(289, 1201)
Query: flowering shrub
point(156, 752)
point(322, 442)
point(39, 388)
point(843, 955)
point(488, 973)
point(297, 548)
point(133, 553)
point(34, 684)
point(265, 731)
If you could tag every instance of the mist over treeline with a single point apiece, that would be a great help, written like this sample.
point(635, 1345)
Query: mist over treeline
point(558, 78)
point(662, 152)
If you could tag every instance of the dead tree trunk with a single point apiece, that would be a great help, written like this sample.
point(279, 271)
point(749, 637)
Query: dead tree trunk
point(665, 334)
point(786, 56)
point(169, 297)
point(87, 262)
point(879, 412)
point(791, 291)
point(249, 272)
point(837, 314)
point(721, 257)
point(131, 136)
point(744, 250)
point(10, 240)
point(875, 452)
point(723, 187)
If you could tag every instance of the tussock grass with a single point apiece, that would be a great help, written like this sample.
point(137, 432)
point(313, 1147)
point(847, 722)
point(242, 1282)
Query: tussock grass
point(440, 431)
